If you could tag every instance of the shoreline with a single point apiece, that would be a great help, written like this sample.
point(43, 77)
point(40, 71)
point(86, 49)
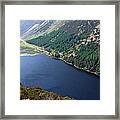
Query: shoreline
point(81, 68)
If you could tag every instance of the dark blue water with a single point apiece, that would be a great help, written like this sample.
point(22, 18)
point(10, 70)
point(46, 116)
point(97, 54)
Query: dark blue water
point(59, 77)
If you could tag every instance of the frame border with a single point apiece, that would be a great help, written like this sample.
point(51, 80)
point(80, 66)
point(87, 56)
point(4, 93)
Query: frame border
point(59, 2)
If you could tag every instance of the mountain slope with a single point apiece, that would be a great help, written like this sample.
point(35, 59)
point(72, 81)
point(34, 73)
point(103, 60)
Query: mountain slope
point(77, 42)
point(43, 28)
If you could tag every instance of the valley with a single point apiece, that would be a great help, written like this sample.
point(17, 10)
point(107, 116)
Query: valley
point(78, 47)
point(60, 59)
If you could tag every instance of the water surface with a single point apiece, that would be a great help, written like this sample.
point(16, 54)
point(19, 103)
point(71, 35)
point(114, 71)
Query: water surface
point(59, 77)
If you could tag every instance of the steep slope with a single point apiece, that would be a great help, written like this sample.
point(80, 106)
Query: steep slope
point(27, 24)
point(80, 26)
point(44, 27)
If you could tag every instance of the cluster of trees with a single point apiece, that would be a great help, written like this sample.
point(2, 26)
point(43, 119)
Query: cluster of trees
point(87, 57)
point(59, 40)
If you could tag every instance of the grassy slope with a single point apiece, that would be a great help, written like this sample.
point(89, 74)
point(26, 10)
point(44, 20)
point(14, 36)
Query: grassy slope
point(29, 49)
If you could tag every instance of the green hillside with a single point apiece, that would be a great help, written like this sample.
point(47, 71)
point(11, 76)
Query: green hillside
point(76, 42)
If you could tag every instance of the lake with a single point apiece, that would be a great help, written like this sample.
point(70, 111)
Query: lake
point(58, 77)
